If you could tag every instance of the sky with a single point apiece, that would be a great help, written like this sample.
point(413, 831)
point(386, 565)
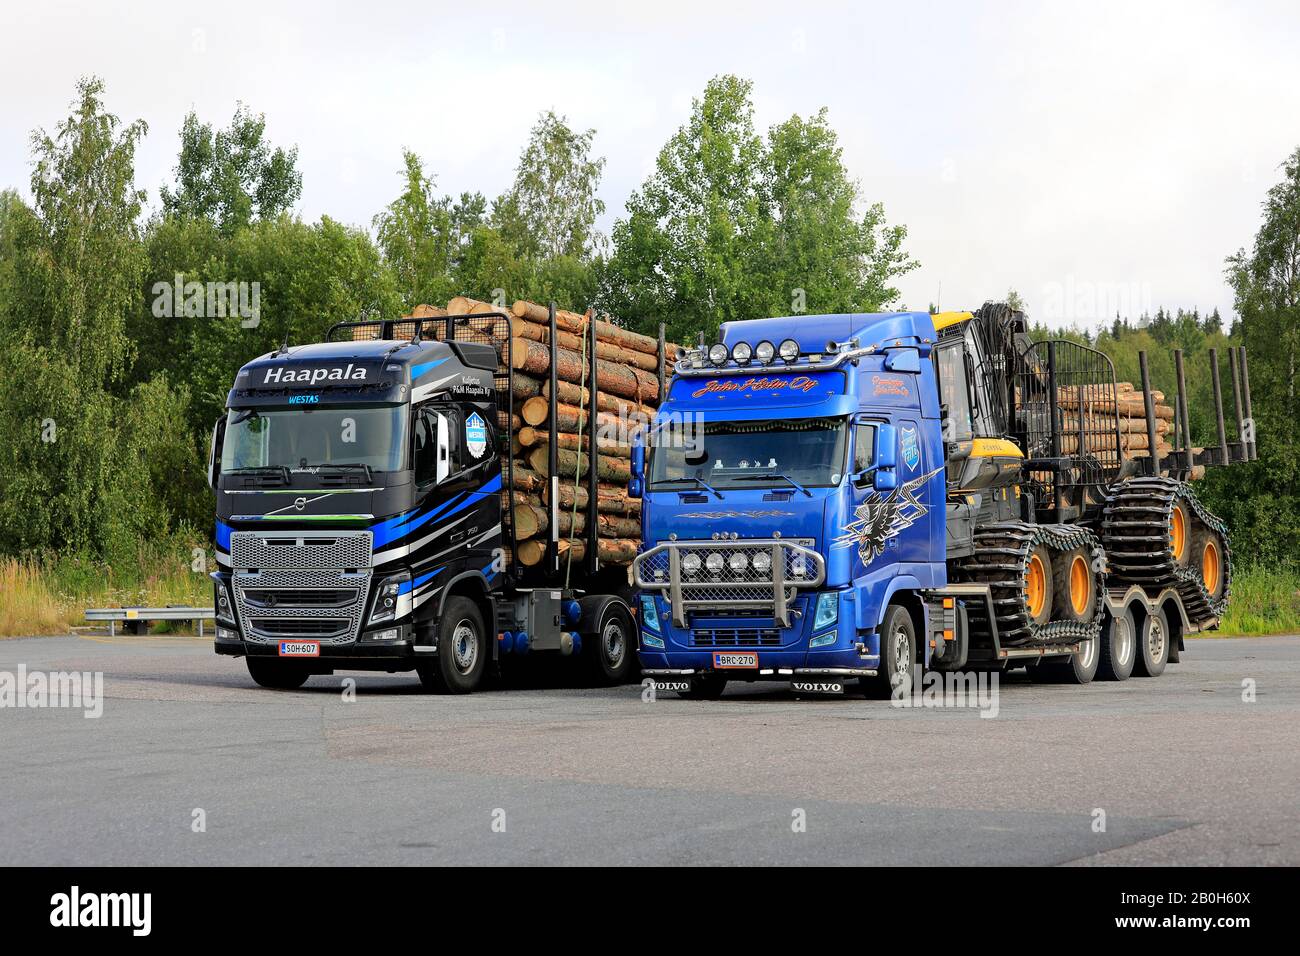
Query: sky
point(1094, 157)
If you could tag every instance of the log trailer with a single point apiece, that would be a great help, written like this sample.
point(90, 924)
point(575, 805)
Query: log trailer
point(839, 501)
point(359, 514)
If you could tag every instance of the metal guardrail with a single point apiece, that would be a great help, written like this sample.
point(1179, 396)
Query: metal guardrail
point(138, 617)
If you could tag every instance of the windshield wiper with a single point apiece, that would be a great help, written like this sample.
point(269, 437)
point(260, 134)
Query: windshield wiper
point(699, 481)
point(347, 466)
point(774, 474)
point(262, 471)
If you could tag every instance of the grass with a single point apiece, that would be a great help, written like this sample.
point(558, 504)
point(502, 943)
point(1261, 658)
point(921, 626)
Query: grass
point(1263, 601)
point(48, 595)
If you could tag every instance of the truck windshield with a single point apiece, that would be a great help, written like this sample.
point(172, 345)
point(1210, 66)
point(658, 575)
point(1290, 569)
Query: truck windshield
point(784, 453)
point(374, 437)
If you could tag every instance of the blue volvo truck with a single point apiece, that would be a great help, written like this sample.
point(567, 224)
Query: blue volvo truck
point(842, 501)
point(359, 519)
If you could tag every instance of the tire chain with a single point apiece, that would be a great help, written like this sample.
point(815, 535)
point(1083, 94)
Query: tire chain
point(1001, 560)
point(1135, 531)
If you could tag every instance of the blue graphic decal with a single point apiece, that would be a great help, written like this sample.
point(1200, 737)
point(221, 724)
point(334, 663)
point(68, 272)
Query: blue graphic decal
point(911, 447)
point(418, 370)
point(223, 536)
point(418, 582)
point(391, 529)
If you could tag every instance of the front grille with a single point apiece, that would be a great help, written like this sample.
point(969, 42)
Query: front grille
point(301, 550)
point(736, 637)
point(306, 583)
point(319, 597)
point(299, 627)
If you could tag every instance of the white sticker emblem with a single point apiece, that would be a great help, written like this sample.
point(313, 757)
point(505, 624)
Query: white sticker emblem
point(476, 435)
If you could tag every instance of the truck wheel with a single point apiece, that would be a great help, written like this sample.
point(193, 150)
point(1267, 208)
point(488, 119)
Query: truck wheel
point(611, 652)
point(705, 687)
point(462, 650)
point(1153, 648)
point(1118, 647)
point(1075, 593)
point(897, 654)
point(276, 674)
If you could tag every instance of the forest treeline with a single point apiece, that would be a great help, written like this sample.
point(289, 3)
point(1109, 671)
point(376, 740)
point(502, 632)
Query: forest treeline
point(126, 308)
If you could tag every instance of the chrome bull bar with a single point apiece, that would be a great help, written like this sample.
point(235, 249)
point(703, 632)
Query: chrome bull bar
point(767, 579)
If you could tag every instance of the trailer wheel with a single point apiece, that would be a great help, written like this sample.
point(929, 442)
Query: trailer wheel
point(1153, 648)
point(1117, 646)
point(276, 674)
point(611, 651)
point(897, 655)
point(704, 687)
point(462, 650)
point(1075, 595)
point(1078, 668)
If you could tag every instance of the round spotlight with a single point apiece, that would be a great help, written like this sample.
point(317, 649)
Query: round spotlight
point(789, 350)
point(799, 566)
point(714, 562)
point(691, 563)
point(718, 353)
point(764, 351)
point(737, 562)
point(762, 562)
point(742, 353)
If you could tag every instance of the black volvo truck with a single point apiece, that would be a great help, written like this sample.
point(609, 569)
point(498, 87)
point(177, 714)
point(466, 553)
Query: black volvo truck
point(359, 522)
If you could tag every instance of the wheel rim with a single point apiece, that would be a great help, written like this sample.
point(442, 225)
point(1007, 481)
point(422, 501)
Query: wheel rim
point(614, 643)
point(1036, 586)
point(1210, 567)
point(1079, 584)
point(1178, 533)
point(902, 656)
point(464, 647)
point(1123, 646)
point(1155, 639)
point(1087, 651)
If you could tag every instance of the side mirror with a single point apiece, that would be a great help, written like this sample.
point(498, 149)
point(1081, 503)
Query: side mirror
point(885, 480)
point(634, 486)
point(887, 447)
point(443, 444)
point(214, 451)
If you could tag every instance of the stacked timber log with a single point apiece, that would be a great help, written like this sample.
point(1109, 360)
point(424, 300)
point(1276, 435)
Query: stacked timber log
point(1098, 427)
point(627, 369)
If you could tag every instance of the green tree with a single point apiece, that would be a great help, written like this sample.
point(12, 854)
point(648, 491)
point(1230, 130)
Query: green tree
point(232, 176)
point(732, 226)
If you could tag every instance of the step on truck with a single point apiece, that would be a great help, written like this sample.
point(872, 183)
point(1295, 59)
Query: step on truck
point(359, 517)
point(841, 501)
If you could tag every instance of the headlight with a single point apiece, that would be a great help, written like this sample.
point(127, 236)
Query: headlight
point(387, 593)
point(789, 350)
point(762, 562)
point(737, 562)
point(764, 351)
point(222, 607)
point(742, 353)
point(718, 354)
point(828, 610)
point(649, 616)
point(691, 563)
point(714, 562)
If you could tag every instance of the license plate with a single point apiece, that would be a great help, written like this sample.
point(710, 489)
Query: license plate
point(300, 649)
point(735, 660)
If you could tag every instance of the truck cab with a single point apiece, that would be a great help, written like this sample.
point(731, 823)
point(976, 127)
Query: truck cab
point(793, 487)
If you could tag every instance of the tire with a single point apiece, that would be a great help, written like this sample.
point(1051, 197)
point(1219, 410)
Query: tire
point(1074, 597)
point(1153, 648)
point(1038, 586)
point(1080, 668)
point(705, 687)
point(1118, 648)
point(1180, 532)
point(897, 654)
point(610, 653)
point(276, 674)
point(1208, 557)
point(463, 650)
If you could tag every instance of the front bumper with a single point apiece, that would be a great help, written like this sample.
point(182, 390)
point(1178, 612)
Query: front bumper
point(400, 654)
